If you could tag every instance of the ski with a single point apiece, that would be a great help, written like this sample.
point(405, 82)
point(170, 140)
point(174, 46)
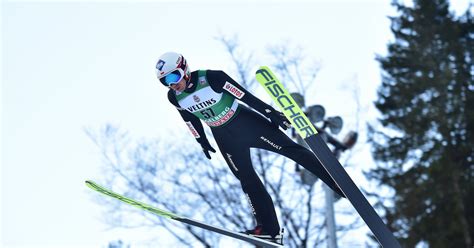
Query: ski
point(166, 214)
point(308, 132)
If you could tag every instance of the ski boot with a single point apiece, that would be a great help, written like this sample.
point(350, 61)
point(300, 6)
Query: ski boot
point(258, 232)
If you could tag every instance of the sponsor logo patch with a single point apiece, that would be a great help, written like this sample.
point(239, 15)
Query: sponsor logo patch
point(160, 64)
point(231, 161)
point(202, 80)
point(193, 130)
point(251, 205)
point(233, 90)
point(224, 117)
point(196, 98)
point(270, 143)
point(202, 105)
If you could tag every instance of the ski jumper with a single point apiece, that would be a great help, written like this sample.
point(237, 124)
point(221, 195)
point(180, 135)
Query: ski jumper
point(213, 96)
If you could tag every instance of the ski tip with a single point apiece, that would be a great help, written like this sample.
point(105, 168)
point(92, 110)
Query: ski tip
point(262, 68)
point(89, 183)
point(92, 185)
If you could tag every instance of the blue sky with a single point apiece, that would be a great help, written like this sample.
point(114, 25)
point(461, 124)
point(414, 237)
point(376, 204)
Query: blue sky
point(67, 65)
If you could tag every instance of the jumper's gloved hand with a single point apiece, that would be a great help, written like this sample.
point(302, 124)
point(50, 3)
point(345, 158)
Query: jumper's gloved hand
point(278, 118)
point(206, 147)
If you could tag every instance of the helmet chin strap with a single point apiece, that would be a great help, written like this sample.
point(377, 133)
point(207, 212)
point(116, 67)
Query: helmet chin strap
point(188, 82)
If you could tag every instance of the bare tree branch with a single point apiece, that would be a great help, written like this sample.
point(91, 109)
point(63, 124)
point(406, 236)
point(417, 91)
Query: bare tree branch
point(242, 61)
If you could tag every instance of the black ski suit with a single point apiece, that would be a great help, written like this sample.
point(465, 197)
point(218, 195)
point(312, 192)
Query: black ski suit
point(244, 130)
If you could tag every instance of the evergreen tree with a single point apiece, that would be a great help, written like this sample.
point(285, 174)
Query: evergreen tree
point(425, 150)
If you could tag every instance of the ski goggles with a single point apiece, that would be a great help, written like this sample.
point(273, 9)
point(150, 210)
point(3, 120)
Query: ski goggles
point(172, 78)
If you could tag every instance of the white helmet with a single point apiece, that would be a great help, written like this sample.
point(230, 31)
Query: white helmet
point(171, 68)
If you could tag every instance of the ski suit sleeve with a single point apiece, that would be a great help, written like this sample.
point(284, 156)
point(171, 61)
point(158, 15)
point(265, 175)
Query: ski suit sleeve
point(193, 123)
point(220, 82)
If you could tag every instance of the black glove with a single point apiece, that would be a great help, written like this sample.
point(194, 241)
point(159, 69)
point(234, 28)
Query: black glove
point(278, 118)
point(206, 147)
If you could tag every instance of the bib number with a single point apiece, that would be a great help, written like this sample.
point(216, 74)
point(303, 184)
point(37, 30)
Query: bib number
point(208, 113)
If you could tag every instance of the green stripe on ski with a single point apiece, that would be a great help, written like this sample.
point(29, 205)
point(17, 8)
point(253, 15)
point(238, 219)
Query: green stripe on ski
point(236, 235)
point(132, 202)
point(285, 102)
